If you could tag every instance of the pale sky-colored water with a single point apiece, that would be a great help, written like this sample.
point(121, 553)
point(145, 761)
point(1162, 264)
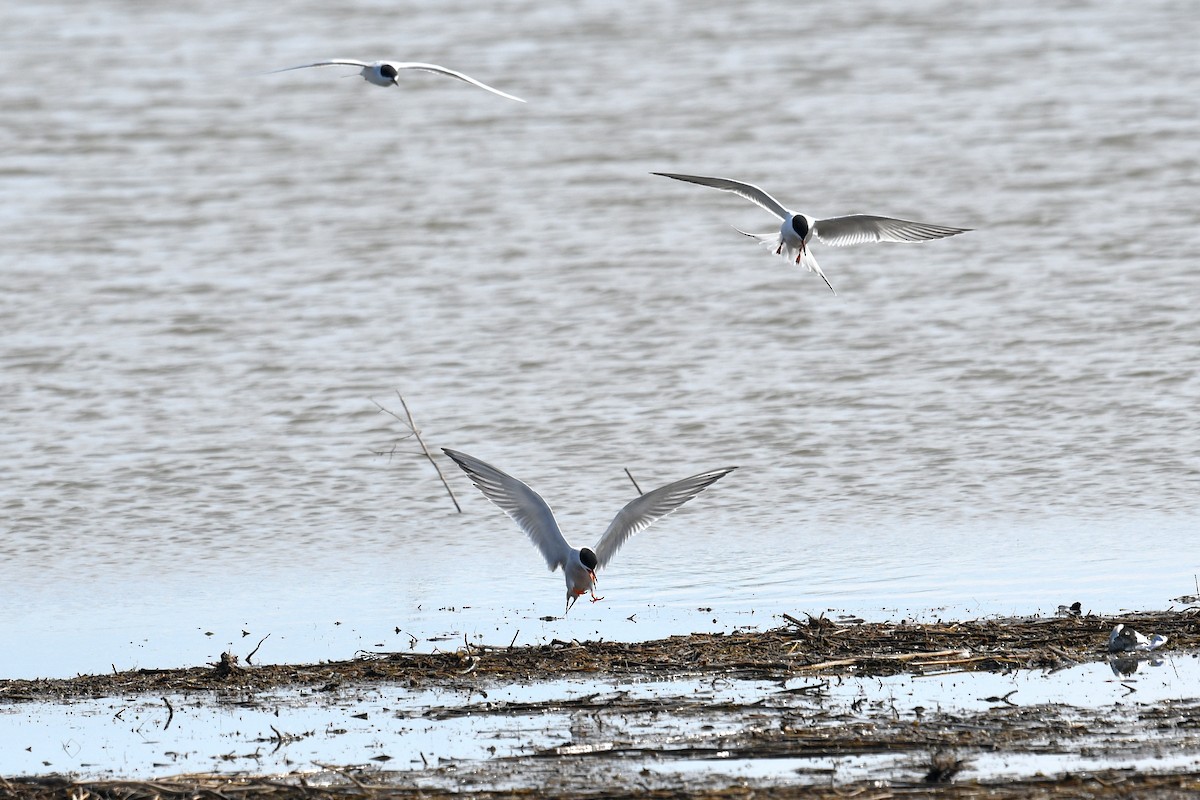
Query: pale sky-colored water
point(210, 273)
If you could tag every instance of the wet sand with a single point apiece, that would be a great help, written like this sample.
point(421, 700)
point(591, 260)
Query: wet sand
point(780, 735)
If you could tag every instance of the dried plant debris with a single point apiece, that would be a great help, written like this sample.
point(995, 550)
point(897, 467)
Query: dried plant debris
point(813, 647)
point(622, 742)
point(347, 783)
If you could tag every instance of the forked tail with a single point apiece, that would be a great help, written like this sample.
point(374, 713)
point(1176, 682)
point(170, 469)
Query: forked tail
point(806, 258)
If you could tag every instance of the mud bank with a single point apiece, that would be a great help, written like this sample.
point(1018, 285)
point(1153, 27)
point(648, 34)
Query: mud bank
point(815, 646)
point(997, 708)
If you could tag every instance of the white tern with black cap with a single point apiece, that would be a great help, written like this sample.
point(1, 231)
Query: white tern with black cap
point(797, 229)
point(579, 564)
point(387, 73)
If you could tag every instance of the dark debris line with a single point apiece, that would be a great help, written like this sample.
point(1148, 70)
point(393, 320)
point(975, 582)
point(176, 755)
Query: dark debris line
point(816, 647)
point(1100, 785)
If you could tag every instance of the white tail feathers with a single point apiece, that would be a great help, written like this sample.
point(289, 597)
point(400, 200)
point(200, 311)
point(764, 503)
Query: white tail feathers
point(792, 254)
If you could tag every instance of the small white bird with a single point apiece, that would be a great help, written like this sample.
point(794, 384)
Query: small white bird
point(797, 229)
point(579, 564)
point(387, 73)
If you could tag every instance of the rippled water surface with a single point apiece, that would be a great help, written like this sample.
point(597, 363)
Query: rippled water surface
point(212, 274)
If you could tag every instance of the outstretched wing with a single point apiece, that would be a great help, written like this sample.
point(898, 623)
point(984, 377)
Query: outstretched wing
point(337, 62)
point(859, 228)
point(524, 505)
point(747, 190)
point(639, 514)
point(453, 74)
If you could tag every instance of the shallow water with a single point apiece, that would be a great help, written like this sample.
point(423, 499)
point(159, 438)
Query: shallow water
point(487, 734)
point(211, 273)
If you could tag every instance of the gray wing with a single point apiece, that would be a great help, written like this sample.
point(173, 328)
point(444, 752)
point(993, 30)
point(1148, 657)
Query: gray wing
point(524, 505)
point(859, 228)
point(337, 62)
point(747, 190)
point(453, 74)
point(639, 514)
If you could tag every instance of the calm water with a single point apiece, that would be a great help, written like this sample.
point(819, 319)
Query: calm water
point(467, 737)
point(210, 274)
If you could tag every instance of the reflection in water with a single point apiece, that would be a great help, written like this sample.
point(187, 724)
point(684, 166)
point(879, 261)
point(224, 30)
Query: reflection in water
point(671, 726)
point(1125, 666)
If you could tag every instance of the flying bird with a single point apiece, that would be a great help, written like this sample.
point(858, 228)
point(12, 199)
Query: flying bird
point(579, 564)
point(387, 73)
point(797, 229)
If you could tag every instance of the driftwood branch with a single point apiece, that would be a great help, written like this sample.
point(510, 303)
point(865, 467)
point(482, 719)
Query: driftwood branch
point(631, 480)
point(411, 424)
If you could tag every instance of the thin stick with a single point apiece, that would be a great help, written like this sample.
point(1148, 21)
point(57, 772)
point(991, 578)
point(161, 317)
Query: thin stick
point(412, 426)
point(639, 489)
point(255, 650)
point(170, 713)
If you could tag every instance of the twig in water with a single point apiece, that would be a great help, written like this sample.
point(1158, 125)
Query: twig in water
point(412, 426)
point(170, 713)
point(631, 480)
point(514, 639)
point(344, 772)
point(255, 650)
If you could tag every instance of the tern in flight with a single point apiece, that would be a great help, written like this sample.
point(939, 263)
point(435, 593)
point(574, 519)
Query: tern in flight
point(797, 229)
point(387, 73)
point(579, 564)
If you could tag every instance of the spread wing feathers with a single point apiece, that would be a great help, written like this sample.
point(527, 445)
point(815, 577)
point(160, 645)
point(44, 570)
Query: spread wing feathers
point(639, 514)
point(859, 228)
point(337, 62)
point(524, 505)
point(747, 190)
point(453, 74)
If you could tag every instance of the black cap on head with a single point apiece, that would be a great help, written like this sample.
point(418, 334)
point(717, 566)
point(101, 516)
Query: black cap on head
point(388, 71)
point(800, 225)
point(588, 558)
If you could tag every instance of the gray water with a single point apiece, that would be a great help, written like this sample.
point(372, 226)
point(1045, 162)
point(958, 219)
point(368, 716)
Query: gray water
point(212, 274)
